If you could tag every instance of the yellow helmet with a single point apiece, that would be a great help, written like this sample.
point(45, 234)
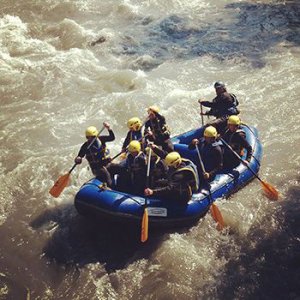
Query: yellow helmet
point(134, 124)
point(134, 146)
point(173, 159)
point(210, 131)
point(153, 108)
point(234, 120)
point(91, 131)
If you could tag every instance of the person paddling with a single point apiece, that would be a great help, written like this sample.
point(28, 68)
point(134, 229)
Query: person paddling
point(96, 152)
point(236, 138)
point(157, 130)
point(181, 182)
point(211, 152)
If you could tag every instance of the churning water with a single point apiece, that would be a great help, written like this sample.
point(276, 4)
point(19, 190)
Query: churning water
point(68, 64)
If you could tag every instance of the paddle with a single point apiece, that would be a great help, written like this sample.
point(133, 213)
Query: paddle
point(201, 112)
point(64, 180)
point(268, 189)
point(214, 210)
point(145, 219)
point(61, 183)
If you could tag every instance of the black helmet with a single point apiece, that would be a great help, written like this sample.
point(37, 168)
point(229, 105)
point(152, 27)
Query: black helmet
point(219, 84)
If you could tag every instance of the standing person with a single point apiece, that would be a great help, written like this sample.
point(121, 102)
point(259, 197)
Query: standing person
point(135, 132)
point(158, 169)
point(96, 152)
point(211, 152)
point(222, 106)
point(181, 182)
point(235, 137)
point(157, 129)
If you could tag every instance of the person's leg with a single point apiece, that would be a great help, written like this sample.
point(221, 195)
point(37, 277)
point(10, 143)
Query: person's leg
point(104, 176)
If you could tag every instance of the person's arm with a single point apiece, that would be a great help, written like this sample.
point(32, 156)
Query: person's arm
point(147, 127)
point(246, 145)
point(206, 103)
point(81, 153)
point(161, 153)
point(126, 141)
point(107, 138)
point(83, 150)
point(170, 186)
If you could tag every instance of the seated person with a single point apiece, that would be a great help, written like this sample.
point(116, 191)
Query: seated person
point(132, 171)
point(210, 151)
point(182, 180)
point(235, 137)
point(158, 169)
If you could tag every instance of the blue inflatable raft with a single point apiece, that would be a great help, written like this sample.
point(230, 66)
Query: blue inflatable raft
point(116, 206)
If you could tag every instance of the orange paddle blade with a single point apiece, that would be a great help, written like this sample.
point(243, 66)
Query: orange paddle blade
point(144, 231)
point(270, 191)
point(59, 185)
point(217, 216)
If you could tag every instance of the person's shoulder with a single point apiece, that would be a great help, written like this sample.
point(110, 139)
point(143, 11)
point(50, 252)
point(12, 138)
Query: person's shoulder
point(160, 117)
point(226, 95)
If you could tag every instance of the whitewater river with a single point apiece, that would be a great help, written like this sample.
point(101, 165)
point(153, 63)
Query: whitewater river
point(69, 64)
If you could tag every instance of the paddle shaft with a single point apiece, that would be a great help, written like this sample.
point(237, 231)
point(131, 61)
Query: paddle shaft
point(145, 218)
point(148, 168)
point(201, 110)
point(72, 168)
point(216, 214)
point(240, 159)
point(203, 171)
point(200, 160)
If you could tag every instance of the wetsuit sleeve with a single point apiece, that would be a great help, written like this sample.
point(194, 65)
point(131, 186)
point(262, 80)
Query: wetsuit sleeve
point(170, 185)
point(218, 158)
point(107, 138)
point(212, 105)
point(207, 103)
point(161, 153)
point(126, 141)
point(246, 145)
point(147, 126)
point(83, 150)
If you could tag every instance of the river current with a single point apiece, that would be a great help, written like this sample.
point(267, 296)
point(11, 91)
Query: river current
point(69, 64)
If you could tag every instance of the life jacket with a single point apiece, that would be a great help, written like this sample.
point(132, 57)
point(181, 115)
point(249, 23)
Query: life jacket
point(233, 110)
point(97, 154)
point(206, 153)
point(161, 131)
point(158, 171)
point(235, 146)
point(133, 164)
point(219, 110)
point(193, 184)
